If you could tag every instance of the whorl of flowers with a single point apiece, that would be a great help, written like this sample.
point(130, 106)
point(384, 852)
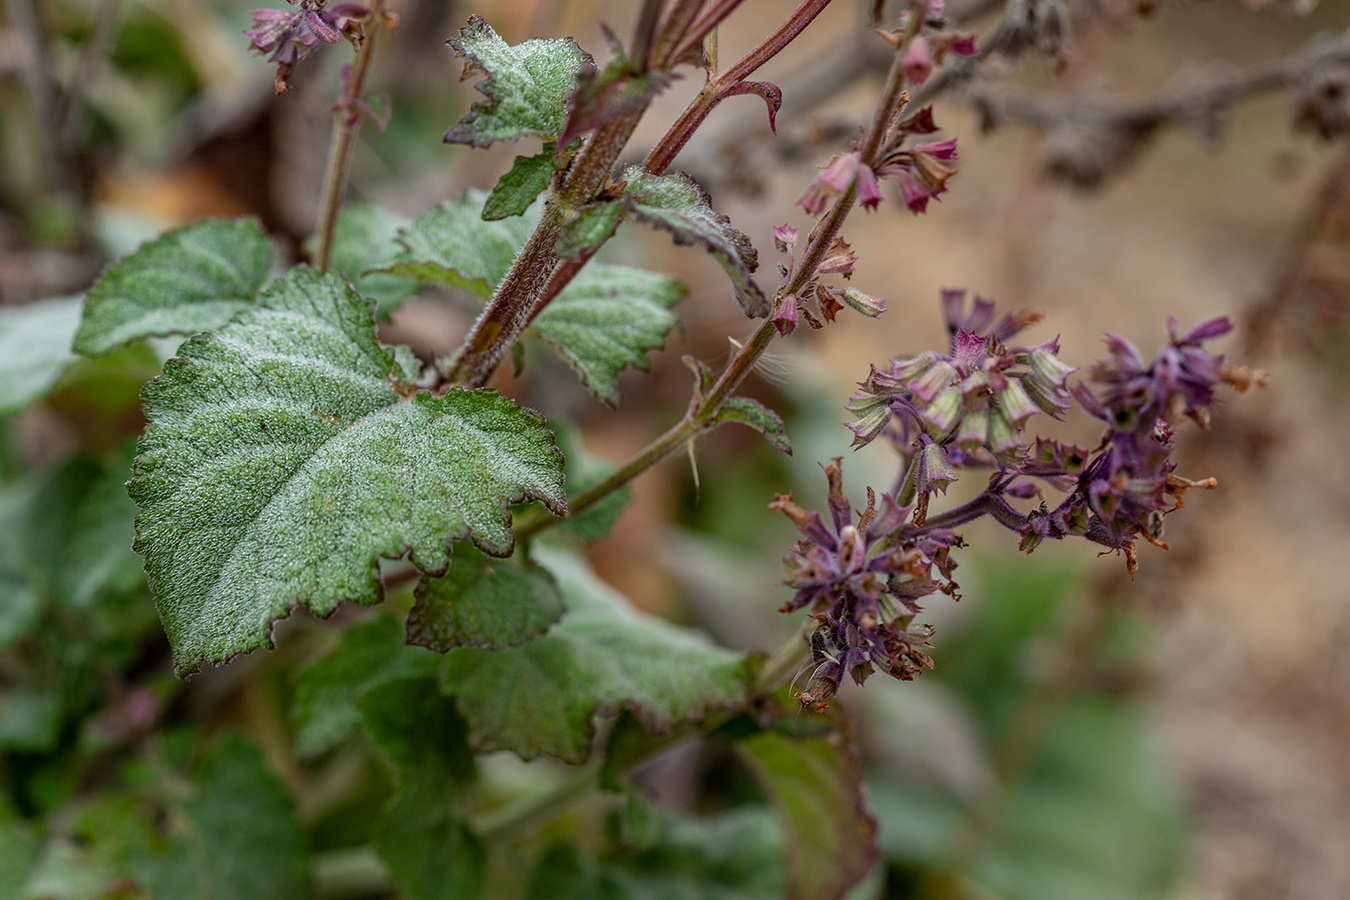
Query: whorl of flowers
point(861, 583)
point(968, 407)
point(979, 394)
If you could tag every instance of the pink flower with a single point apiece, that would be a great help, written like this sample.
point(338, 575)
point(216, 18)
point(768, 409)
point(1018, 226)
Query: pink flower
point(918, 60)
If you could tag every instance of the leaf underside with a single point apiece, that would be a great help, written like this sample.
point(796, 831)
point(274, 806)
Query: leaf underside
point(284, 457)
point(675, 203)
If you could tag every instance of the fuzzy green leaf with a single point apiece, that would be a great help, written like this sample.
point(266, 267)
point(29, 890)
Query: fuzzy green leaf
point(601, 657)
point(238, 835)
point(593, 225)
point(756, 415)
point(193, 279)
point(326, 692)
point(816, 787)
point(364, 241)
point(526, 87)
point(35, 348)
point(285, 456)
point(453, 245)
point(484, 602)
point(676, 204)
point(430, 852)
point(516, 190)
point(607, 319)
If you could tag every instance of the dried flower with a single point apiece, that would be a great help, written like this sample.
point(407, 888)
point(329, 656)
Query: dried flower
point(290, 37)
point(860, 582)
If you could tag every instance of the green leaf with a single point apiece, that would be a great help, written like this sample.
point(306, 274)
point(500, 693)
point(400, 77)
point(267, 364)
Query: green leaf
point(759, 417)
point(238, 836)
point(484, 602)
point(431, 853)
point(526, 87)
point(30, 720)
point(326, 692)
point(607, 319)
point(99, 537)
point(676, 204)
point(364, 240)
point(593, 225)
point(453, 245)
point(193, 279)
point(584, 470)
point(19, 846)
point(35, 348)
point(601, 657)
point(734, 856)
point(516, 190)
point(284, 458)
point(816, 787)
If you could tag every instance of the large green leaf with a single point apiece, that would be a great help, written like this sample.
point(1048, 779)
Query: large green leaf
point(326, 692)
point(526, 87)
point(35, 348)
point(238, 838)
point(816, 786)
point(607, 319)
point(453, 245)
point(676, 204)
point(484, 602)
point(430, 852)
point(286, 454)
point(193, 279)
point(601, 657)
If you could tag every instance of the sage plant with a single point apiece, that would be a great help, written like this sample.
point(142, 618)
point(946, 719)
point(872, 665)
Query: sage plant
point(291, 460)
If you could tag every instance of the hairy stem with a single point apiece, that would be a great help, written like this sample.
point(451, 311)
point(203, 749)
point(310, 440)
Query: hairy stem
point(516, 301)
point(347, 116)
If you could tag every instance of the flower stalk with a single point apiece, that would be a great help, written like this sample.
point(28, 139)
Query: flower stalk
point(348, 114)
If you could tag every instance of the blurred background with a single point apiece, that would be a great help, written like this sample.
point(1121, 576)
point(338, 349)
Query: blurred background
point(1084, 735)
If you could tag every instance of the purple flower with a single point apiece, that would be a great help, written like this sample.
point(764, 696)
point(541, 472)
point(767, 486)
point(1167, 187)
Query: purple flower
point(860, 582)
point(918, 61)
point(977, 396)
point(835, 178)
point(290, 37)
point(785, 317)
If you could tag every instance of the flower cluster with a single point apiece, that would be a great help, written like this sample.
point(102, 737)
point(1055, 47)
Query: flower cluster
point(289, 36)
point(839, 259)
point(920, 171)
point(861, 583)
point(979, 395)
point(968, 407)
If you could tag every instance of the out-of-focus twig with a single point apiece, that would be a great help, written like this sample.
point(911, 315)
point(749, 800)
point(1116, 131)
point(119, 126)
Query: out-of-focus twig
point(1265, 318)
point(1092, 138)
point(66, 116)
